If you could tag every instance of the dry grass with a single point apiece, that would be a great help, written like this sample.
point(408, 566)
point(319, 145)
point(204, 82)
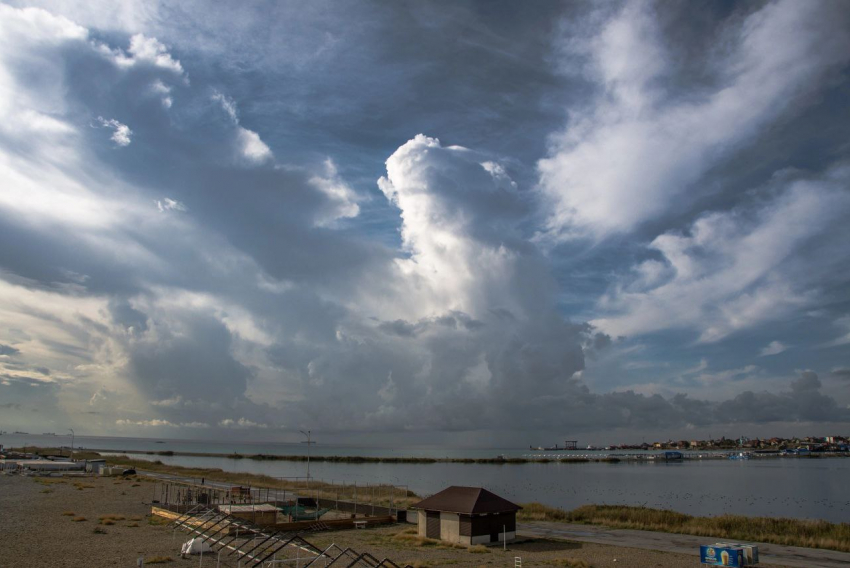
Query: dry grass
point(479, 549)
point(98, 530)
point(569, 563)
point(78, 519)
point(46, 491)
point(47, 480)
point(158, 560)
point(789, 532)
point(132, 525)
point(69, 513)
point(112, 517)
point(383, 495)
point(157, 521)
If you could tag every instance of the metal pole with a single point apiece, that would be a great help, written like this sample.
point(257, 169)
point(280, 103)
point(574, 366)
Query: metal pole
point(72, 442)
point(309, 443)
point(504, 537)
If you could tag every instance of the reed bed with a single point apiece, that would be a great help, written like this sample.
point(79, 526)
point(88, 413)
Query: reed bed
point(790, 532)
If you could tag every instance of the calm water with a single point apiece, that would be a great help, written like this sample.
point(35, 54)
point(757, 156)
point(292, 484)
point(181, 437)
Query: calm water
point(800, 488)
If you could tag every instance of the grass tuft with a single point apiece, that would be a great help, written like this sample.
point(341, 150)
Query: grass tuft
point(98, 530)
point(78, 519)
point(69, 513)
point(478, 549)
point(158, 560)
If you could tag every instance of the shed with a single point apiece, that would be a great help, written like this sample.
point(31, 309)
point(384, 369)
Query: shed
point(95, 466)
point(467, 515)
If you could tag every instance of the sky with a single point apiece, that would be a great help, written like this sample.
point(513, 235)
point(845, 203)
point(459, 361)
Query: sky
point(462, 224)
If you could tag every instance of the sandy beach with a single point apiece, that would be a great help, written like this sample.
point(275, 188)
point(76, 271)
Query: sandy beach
point(41, 527)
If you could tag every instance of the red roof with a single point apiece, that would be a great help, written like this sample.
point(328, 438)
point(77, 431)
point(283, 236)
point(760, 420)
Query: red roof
point(467, 500)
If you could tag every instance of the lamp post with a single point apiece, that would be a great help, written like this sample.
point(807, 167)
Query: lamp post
point(72, 441)
point(308, 442)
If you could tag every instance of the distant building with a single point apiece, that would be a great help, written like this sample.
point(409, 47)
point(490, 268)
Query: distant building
point(467, 515)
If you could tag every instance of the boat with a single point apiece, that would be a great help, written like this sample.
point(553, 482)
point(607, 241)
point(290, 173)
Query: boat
point(673, 456)
point(740, 456)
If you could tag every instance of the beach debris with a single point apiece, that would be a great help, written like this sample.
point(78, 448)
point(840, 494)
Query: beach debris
point(194, 546)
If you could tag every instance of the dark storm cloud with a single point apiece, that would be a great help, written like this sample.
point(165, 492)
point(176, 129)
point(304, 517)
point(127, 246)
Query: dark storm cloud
point(195, 363)
point(236, 264)
point(128, 317)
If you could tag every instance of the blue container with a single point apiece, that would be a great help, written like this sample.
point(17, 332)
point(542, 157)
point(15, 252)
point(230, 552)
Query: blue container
point(721, 556)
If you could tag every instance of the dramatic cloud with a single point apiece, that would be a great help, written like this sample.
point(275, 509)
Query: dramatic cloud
point(736, 269)
point(638, 151)
point(200, 284)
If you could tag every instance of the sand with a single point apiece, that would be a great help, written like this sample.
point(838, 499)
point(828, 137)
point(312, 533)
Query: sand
point(34, 532)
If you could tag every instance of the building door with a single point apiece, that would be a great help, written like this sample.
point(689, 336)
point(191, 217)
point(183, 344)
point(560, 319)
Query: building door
point(494, 535)
point(432, 524)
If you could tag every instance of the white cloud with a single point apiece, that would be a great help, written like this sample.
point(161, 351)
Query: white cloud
point(735, 269)
point(158, 423)
point(163, 91)
point(241, 423)
point(638, 151)
point(773, 348)
point(450, 266)
point(228, 105)
point(252, 146)
point(248, 143)
point(168, 204)
point(143, 50)
point(343, 200)
point(120, 132)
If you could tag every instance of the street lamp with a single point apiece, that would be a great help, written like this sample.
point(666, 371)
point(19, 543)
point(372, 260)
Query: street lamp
point(72, 441)
point(308, 442)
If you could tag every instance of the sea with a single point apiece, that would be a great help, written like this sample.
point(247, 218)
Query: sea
point(800, 488)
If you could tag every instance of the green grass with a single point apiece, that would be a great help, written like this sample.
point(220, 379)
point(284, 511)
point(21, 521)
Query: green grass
point(789, 532)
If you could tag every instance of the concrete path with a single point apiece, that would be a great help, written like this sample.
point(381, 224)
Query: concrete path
point(683, 544)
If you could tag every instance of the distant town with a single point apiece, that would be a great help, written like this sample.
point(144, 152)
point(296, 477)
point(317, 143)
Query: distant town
point(811, 443)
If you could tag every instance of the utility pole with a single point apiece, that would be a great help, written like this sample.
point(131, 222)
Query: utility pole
point(309, 442)
point(72, 442)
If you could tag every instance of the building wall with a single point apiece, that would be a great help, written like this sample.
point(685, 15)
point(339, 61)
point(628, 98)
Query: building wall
point(483, 527)
point(450, 527)
point(467, 530)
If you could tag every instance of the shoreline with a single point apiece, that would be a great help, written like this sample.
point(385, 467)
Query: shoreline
point(582, 458)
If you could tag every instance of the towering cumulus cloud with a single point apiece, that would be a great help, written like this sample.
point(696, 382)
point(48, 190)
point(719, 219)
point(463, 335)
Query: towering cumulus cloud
point(465, 322)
